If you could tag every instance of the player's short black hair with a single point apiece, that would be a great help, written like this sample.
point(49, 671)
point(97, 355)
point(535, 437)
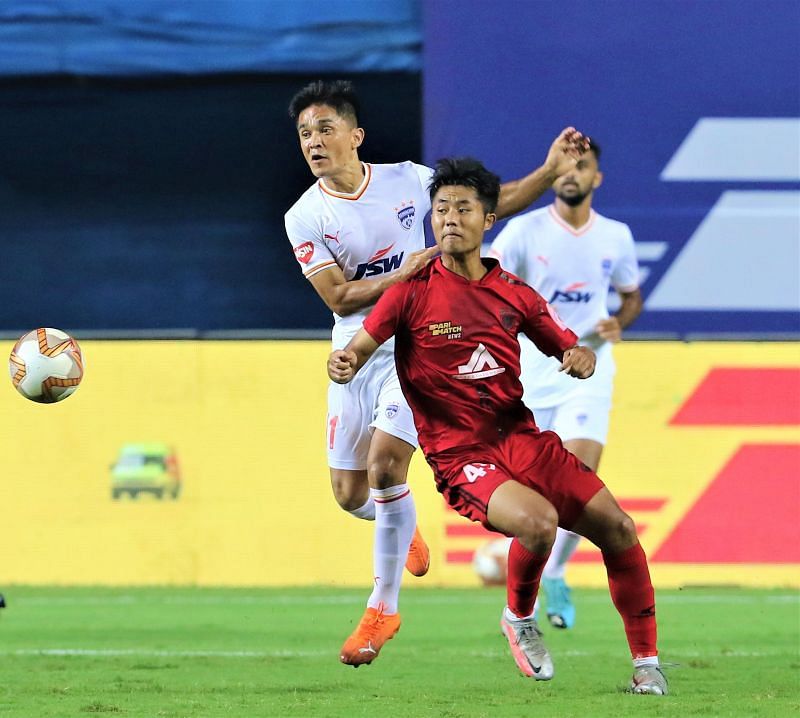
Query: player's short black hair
point(338, 94)
point(467, 172)
point(594, 147)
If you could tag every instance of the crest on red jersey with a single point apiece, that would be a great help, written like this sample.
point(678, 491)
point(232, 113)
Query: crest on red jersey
point(480, 365)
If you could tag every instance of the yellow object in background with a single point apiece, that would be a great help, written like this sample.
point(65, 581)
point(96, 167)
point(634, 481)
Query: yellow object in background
point(246, 421)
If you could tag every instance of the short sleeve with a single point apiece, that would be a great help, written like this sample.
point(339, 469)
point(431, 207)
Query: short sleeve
point(508, 248)
point(625, 277)
point(544, 328)
point(425, 175)
point(310, 250)
point(387, 314)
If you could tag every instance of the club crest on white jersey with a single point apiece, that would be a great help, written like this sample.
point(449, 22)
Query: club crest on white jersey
point(405, 214)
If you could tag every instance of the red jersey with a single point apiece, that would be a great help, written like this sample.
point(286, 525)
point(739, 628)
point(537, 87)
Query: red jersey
point(457, 352)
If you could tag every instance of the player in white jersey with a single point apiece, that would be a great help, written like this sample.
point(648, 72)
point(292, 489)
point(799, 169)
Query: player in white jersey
point(571, 255)
point(355, 232)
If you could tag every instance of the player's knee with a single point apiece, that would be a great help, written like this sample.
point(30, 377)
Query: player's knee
point(385, 470)
point(622, 531)
point(350, 495)
point(626, 528)
point(537, 531)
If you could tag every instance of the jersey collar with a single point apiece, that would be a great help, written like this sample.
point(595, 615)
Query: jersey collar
point(491, 264)
point(565, 225)
point(355, 195)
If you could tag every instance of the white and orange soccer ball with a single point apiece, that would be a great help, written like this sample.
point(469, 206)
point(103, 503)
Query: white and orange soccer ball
point(490, 562)
point(46, 365)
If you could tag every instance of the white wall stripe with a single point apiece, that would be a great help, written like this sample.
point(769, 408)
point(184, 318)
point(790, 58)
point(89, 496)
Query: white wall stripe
point(731, 149)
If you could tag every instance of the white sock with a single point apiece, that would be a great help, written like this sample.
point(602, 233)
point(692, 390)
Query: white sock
point(511, 616)
point(646, 661)
point(367, 511)
point(563, 547)
point(395, 521)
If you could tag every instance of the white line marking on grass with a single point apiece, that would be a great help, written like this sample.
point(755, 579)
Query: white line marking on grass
point(687, 597)
point(150, 653)
point(670, 654)
point(490, 653)
point(128, 600)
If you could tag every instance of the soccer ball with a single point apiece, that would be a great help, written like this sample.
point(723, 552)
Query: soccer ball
point(490, 562)
point(46, 365)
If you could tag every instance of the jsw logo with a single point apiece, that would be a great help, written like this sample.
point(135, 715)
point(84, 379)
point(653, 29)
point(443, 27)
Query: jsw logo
point(379, 266)
point(571, 296)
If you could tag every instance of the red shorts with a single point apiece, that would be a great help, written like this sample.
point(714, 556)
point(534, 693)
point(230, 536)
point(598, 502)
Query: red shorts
point(468, 476)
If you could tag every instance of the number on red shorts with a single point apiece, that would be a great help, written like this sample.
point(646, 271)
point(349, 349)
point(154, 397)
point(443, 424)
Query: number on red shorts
point(474, 471)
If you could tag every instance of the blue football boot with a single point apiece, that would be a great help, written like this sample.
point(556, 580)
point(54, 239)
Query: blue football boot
point(560, 609)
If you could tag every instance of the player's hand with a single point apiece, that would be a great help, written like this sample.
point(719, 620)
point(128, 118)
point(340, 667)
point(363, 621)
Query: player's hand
point(609, 329)
point(342, 366)
point(416, 261)
point(578, 362)
point(565, 151)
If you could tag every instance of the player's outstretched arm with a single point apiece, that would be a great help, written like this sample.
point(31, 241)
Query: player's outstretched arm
point(347, 297)
point(578, 362)
point(344, 363)
point(562, 156)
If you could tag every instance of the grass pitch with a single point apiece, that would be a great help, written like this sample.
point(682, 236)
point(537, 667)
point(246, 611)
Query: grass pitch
point(274, 652)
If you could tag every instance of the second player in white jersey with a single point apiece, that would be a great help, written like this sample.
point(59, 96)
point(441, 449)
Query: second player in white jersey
point(573, 269)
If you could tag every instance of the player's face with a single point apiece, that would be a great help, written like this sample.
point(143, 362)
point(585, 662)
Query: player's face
point(459, 220)
point(328, 141)
point(579, 183)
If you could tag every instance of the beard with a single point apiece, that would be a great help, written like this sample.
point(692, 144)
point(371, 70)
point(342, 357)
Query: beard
point(573, 200)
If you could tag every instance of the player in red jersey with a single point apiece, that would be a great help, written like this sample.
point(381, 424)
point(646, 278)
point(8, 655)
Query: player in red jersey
point(455, 325)
point(355, 232)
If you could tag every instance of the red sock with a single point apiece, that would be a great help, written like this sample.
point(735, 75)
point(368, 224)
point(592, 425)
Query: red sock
point(633, 595)
point(524, 571)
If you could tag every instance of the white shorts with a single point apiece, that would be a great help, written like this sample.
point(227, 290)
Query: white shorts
point(373, 400)
point(577, 417)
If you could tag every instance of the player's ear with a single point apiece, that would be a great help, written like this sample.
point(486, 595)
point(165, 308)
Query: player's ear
point(357, 137)
point(489, 220)
point(598, 180)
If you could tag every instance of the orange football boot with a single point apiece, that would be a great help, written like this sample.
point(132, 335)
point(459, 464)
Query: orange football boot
point(372, 632)
point(419, 556)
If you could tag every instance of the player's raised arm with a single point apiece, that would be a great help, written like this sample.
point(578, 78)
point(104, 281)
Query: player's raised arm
point(347, 297)
point(344, 363)
point(561, 158)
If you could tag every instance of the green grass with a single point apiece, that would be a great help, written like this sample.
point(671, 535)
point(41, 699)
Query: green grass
point(254, 653)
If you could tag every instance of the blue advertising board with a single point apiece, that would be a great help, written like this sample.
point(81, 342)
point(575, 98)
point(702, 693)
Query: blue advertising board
point(696, 106)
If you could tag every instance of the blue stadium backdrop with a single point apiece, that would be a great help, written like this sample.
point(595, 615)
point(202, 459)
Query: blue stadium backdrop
point(147, 158)
point(697, 108)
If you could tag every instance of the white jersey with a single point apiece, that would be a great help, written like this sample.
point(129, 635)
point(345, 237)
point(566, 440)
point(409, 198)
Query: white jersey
point(572, 269)
point(368, 233)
